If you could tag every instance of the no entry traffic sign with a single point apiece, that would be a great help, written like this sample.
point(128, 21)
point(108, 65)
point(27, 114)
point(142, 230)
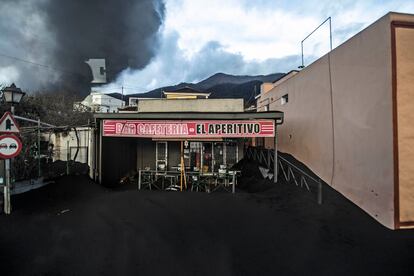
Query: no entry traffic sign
point(10, 146)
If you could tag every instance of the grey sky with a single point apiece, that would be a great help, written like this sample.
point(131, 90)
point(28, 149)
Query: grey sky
point(200, 38)
point(174, 40)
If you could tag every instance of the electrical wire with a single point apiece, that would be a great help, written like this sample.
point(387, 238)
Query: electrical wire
point(47, 67)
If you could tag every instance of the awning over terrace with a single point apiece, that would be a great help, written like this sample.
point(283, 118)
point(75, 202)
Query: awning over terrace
point(275, 115)
point(180, 126)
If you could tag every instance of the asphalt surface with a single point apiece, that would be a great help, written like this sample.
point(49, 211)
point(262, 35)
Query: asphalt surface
point(76, 227)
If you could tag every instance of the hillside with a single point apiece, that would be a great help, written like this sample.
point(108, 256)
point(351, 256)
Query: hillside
point(247, 90)
point(220, 85)
point(221, 78)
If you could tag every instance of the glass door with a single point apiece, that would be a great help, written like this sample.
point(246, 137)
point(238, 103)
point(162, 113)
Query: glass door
point(161, 156)
point(231, 153)
point(219, 162)
point(207, 158)
point(195, 156)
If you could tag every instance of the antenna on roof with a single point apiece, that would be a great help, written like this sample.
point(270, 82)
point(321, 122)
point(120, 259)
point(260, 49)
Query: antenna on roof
point(330, 38)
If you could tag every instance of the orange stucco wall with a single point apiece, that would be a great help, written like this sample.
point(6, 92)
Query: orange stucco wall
point(265, 87)
point(405, 110)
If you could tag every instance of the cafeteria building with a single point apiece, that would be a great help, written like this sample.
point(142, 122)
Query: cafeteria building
point(182, 129)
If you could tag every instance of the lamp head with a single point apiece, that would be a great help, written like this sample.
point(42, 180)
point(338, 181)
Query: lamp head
point(12, 94)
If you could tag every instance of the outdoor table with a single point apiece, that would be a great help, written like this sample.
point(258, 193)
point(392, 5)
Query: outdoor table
point(229, 178)
point(172, 179)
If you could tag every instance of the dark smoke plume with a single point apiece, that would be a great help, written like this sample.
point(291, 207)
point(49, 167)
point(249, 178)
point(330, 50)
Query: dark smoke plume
point(121, 31)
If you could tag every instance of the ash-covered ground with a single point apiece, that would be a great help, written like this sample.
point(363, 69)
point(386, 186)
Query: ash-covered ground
point(76, 227)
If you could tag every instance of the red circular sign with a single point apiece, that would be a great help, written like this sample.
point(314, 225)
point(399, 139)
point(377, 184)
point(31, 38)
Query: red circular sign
point(10, 146)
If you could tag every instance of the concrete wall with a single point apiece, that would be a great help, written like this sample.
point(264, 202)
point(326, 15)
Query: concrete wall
point(60, 141)
point(106, 100)
point(339, 118)
point(191, 105)
point(100, 102)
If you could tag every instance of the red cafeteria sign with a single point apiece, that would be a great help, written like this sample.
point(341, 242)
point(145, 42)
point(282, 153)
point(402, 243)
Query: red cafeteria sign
point(189, 129)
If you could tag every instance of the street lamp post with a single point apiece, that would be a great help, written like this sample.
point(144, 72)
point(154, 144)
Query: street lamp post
point(11, 95)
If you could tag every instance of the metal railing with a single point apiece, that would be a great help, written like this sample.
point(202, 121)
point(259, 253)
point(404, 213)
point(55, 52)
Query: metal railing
point(290, 171)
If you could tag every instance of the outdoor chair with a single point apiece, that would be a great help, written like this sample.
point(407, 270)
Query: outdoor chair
point(221, 180)
point(230, 178)
point(169, 181)
point(147, 180)
point(196, 183)
point(206, 180)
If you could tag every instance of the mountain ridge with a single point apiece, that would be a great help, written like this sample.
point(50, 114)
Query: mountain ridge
point(220, 85)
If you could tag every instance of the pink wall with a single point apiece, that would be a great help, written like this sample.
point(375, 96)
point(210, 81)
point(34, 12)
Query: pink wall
point(353, 86)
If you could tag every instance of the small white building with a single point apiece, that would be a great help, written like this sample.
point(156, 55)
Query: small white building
point(100, 103)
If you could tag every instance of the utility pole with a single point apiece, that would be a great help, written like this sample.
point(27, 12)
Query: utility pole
point(38, 149)
point(7, 165)
point(7, 205)
point(122, 93)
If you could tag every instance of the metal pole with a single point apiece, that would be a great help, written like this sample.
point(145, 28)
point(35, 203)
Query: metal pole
point(181, 167)
point(67, 157)
point(234, 182)
point(330, 37)
point(122, 97)
point(275, 172)
point(319, 192)
point(330, 32)
point(38, 149)
point(7, 200)
point(95, 152)
point(268, 159)
point(7, 203)
point(32, 121)
point(100, 151)
point(139, 180)
point(303, 62)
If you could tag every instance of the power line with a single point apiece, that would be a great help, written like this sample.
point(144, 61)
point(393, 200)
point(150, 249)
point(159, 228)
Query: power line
point(52, 68)
point(48, 67)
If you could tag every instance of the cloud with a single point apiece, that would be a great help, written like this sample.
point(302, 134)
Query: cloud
point(173, 65)
point(23, 34)
point(196, 39)
point(200, 38)
point(7, 74)
point(46, 42)
point(254, 31)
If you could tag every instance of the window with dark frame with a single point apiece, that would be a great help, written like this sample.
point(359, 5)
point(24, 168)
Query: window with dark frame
point(284, 99)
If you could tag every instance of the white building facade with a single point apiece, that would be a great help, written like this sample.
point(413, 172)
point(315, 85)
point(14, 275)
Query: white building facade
point(100, 103)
